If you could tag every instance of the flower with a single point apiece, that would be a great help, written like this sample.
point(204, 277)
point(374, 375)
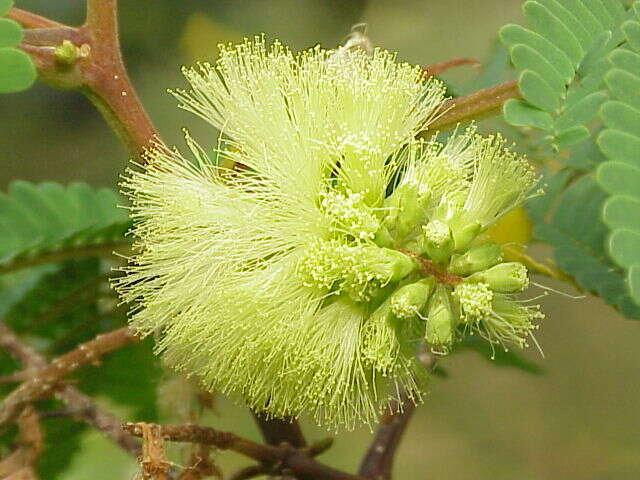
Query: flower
point(297, 280)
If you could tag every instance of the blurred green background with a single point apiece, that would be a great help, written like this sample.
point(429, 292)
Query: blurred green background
point(579, 420)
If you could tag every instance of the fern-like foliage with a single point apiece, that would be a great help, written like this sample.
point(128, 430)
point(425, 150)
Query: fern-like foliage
point(561, 62)
point(568, 218)
point(620, 142)
point(45, 218)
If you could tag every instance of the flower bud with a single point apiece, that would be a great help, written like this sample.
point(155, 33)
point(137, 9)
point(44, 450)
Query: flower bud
point(464, 234)
point(406, 210)
point(442, 319)
point(476, 259)
point(437, 242)
point(388, 264)
point(510, 277)
point(407, 301)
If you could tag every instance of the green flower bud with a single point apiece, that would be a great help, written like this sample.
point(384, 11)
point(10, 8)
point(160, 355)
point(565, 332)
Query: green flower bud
point(442, 318)
point(463, 235)
point(476, 259)
point(389, 264)
point(437, 241)
point(406, 210)
point(407, 301)
point(510, 277)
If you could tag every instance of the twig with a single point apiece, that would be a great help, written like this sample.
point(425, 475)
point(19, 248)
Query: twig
point(31, 20)
point(482, 103)
point(378, 460)
point(20, 464)
point(437, 68)
point(80, 406)
point(154, 459)
point(44, 383)
point(275, 431)
point(287, 459)
point(96, 68)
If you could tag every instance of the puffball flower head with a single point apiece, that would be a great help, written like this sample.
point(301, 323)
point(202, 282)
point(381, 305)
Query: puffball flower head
point(306, 278)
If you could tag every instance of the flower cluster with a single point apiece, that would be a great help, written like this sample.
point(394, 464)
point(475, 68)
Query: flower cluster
point(307, 278)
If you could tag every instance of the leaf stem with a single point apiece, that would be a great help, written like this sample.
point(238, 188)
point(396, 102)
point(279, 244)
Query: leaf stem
point(476, 105)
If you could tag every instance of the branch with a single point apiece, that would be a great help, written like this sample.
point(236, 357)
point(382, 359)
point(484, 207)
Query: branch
point(437, 68)
point(154, 459)
point(275, 431)
point(286, 459)
point(20, 464)
point(88, 59)
point(47, 379)
point(482, 103)
point(31, 20)
point(378, 460)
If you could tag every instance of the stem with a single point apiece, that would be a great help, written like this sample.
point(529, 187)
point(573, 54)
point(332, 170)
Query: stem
point(80, 406)
point(31, 20)
point(377, 463)
point(47, 379)
point(275, 431)
point(284, 458)
point(482, 103)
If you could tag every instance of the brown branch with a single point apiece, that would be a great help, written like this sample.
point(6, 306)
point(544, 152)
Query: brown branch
point(482, 103)
point(285, 458)
point(251, 471)
point(428, 267)
point(437, 68)
point(31, 20)
point(378, 460)
point(154, 459)
point(20, 464)
point(200, 465)
point(275, 431)
point(48, 379)
point(95, 69)
point(80, 406)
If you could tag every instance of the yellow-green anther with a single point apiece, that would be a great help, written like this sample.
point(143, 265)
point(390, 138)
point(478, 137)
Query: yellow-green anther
point(409, 300)
point(441, 319)
point(475, 300)
point(510, 277)
point(380, 346)
point(475, 259)
point(437, 242)
point(350, 214)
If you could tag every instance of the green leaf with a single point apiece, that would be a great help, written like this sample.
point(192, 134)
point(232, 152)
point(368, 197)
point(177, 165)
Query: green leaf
point(554, 30)
point(45, 218)
point(10, 33)
point(625, 60)
point(584, 37)
point(17, 72)
point(520, 113)
point(620, 147)
point(513, 35)
point(622, 212)
point(624, 86)
point(589, 20)
point(631, 30)
point(525, 57)
point(571, 136)
point(5, 6)
point(570, 222)
point(622, 117)
point(580, 112)
point(538, 92)
point(623, 246)
point(620, 178)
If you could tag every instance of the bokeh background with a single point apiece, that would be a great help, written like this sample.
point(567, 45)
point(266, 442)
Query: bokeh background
point(578, 420)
